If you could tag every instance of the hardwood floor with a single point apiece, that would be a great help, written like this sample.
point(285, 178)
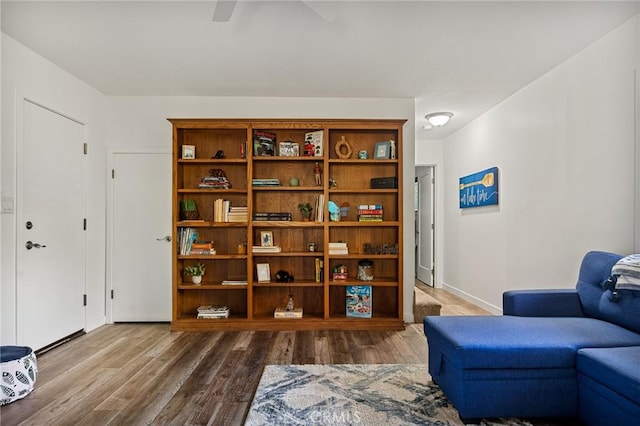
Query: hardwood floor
point(134, 374)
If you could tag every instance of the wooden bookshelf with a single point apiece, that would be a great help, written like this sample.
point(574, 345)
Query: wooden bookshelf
point(344, 180)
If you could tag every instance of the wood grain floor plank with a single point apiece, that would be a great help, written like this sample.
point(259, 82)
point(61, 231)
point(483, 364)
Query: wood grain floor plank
point(136, 374)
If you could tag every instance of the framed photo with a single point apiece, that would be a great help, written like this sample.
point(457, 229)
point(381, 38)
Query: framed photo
point(266, 238)
point(188, 152)
point(264, 272)
point(288, 149)
point(382, 151)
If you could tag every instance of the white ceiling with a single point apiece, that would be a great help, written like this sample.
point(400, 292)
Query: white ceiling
point(463, 57)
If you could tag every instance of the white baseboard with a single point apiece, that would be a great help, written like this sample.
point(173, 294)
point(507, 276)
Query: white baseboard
point(93, 323)
point(472, 299)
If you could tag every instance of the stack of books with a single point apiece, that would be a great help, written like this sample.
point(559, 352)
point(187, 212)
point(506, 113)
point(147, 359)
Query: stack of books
point(370, 213)
point(202, 247)
point(338, 248)
point(266, 249)
point(283, 313)
point(238, 214)
point(214, 182)
point(234, 282)
point(213, 312)
point(272, 216)
point(266, 182)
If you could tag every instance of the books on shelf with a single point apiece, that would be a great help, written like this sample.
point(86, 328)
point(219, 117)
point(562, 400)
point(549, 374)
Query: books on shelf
point(213, 312)
point(216, 180)
point(283, 313)
point(265, 182)
point(186, 237)
point(238, 214)
point(271, 216)
point(319, 269)
point(338, 248)
point(319, 207)
point(266, 249)
point(359, 301)
point(223, 212)
point(370, 213)
point(234, 282)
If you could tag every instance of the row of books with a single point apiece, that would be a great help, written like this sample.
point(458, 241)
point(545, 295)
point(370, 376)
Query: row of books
point(223, 212)
point(271, 216)
point(186, 237)
point(370, 213)
point(265, 182)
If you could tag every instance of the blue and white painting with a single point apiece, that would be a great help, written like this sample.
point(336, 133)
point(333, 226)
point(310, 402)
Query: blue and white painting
point(479, 189)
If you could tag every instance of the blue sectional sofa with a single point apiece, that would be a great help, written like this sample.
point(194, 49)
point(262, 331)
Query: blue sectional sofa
point(554, 353)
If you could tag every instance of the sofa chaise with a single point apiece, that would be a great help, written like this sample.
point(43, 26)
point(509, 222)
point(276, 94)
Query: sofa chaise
point(554, 353)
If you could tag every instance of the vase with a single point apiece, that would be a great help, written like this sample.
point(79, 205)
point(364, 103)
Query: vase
point(196, 279)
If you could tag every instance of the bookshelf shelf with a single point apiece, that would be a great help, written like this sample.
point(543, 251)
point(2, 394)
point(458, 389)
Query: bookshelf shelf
point(311, 177)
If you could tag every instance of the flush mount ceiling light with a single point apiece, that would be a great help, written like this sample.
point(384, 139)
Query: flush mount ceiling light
point(437, 119)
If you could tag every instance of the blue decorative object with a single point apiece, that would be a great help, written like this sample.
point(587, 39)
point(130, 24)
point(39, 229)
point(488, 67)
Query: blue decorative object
point(479, 189)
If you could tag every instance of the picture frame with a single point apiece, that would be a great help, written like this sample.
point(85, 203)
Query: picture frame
point(266, 238)
point(263, 272)
point(288, 149)
point(188, 152)
point(382, 151)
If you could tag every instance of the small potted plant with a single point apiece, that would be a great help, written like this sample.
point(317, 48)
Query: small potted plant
point(196, 272)
point(305, 210)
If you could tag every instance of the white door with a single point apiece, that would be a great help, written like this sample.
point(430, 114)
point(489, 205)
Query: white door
point(50, 229)
point(425, 226)
point(141, 235)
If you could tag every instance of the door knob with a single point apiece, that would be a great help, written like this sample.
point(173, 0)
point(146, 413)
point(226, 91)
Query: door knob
point(29, 245)
point(166, 238)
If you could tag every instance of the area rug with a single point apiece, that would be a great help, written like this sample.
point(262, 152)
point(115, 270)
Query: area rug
point(353, 394)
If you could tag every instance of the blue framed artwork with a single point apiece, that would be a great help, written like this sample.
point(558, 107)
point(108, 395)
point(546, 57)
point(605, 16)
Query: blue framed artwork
point(479, 189)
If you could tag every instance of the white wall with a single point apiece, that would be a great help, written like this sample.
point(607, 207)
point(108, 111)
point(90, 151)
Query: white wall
point(565, 149)
point(27, 75)
point(141, 122)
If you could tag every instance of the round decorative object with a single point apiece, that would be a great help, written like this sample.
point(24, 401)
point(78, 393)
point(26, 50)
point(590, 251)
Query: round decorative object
point(363, 155)
point(365, 270)
point(19, 372)
point(294, 181)
point(343, 149)
point(196, 279)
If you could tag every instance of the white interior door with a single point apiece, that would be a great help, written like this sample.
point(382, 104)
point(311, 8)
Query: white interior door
point(50, 229)
point(141, 235)
point(425, 226)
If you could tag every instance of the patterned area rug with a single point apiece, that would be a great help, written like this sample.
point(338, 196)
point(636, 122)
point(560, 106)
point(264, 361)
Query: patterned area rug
point(352, 394)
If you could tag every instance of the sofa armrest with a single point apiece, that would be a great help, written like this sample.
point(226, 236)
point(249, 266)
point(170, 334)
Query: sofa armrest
point(542, 303)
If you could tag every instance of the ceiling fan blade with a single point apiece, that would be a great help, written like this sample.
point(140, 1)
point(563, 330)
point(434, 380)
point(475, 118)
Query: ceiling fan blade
point(223, 10)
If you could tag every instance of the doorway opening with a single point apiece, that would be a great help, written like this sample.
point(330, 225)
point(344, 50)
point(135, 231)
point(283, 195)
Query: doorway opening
point(424, 210)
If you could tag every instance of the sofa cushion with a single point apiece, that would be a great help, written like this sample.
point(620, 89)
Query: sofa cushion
point(495, 342)
point(615, 368)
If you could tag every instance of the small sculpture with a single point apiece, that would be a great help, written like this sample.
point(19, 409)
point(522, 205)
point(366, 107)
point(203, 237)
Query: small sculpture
point(317, 173)
point(290, 306)
point(343, 149)
point(219, 154)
